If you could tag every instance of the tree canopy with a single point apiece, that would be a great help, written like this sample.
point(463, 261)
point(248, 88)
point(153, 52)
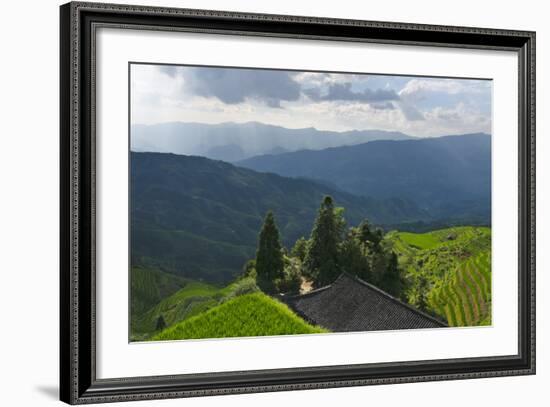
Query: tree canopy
point(321, 260)
point(330, 250)
point(269, 256)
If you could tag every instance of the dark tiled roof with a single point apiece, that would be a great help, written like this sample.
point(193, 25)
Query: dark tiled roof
point(351, 304)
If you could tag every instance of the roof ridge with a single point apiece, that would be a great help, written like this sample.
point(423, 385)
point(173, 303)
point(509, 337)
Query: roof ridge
point(315, 291)
point(389, 296)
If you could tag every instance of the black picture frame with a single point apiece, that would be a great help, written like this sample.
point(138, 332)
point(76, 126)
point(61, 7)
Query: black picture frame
point(78, 382)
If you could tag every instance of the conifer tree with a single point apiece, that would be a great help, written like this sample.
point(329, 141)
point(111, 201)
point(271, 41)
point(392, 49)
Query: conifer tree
point(161, 323)
point(321, 261)
point(391, 281)
point(269, 256)
point(354, 255)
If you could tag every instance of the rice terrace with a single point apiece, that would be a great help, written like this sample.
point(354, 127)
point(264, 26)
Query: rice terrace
point(310, 203)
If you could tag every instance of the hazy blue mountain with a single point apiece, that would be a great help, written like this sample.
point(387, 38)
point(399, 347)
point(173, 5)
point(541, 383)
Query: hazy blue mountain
point(448, 176)
point(232, 141)
point(200, 218)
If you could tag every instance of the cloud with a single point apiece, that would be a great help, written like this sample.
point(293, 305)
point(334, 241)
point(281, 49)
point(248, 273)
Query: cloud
point(343, 91)
point(330, 101)
point(315, 79)
point(383, 106)
point(233, 86)
point(410, 112)
point(423, 88)
point(420, 96)
point(170, 70)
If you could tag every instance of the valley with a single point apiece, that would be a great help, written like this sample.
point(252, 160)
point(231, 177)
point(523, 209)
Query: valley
point(199, 218)
point(408, 217)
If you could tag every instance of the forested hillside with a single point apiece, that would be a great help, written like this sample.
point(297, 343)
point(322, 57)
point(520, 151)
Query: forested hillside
point(200, 218)
point(449, 176)
point(445, 273)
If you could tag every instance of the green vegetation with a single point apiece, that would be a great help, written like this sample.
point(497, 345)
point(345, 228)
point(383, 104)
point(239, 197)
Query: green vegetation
point(247, 315)
point(445, 272)
point(300, 249)
point(161, 323)
point(200, 218)
point(269, 256)
point(188, 254)
point(149, 286)
point(448, 272)
point(465, 297)
point(448, 177)
point(292, 276)
point(420, 240)
point(321, 259)
point(365, 254)
point(195, 297)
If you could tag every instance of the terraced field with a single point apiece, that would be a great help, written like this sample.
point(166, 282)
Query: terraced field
point(192, 299)
point(149, 286)
point(465, 296)
point(189, 300)
point(253, 314)
point(453, 268)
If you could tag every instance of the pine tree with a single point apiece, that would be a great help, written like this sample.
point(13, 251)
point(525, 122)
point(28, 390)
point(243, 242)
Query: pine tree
point(321, 261)
point(354, 255)
point(161, 323)
point(269, 256)
point(391, 281)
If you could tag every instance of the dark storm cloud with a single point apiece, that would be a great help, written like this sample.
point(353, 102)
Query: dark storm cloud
point(343, 91)
point(233, 86)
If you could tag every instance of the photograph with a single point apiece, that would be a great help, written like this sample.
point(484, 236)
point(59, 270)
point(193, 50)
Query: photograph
point(266, 202)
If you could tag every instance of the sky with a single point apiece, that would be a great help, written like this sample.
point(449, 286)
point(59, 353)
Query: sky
point(417, 106)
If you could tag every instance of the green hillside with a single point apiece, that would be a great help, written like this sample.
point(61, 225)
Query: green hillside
point(448, 272)
point(465, 297)
point(449, 176)
point(253, 314)
point(420, 240)
point(200, 218)
point(149, 286)
point(193, 298)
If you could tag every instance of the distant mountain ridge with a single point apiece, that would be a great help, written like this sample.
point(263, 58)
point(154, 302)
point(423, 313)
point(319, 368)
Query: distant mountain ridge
point(237, 141)
point(200, 218)
point(450, 177)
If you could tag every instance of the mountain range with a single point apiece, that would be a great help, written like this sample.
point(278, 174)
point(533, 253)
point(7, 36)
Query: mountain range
point(237, 141)
point(449, 177)
point(200, 218)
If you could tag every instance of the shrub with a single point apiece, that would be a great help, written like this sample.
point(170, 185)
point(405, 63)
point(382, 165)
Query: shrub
point(292, 280)
point(241, 287)
point(249, 269)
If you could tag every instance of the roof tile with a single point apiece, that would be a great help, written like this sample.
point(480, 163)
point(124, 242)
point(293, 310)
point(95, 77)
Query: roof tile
point(351, 304)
